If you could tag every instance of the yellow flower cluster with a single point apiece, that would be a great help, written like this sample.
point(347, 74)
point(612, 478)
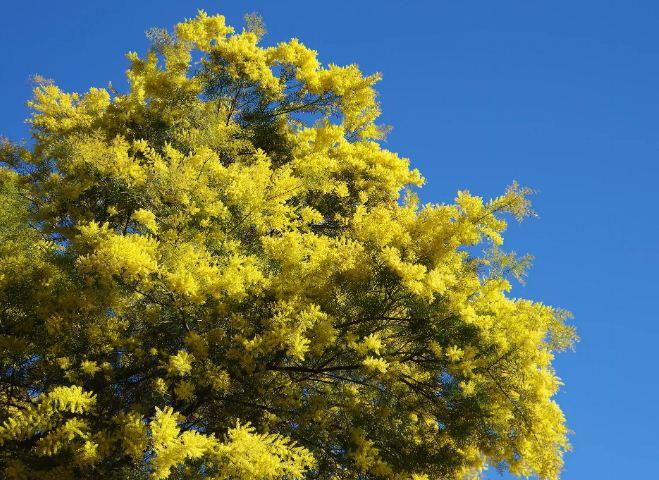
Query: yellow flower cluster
point(229, 241)
point(245, 454)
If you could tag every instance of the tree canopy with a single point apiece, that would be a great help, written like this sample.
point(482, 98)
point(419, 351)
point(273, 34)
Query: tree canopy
point(222, 273)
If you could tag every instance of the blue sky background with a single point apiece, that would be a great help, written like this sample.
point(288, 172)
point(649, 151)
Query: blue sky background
point(559, 95)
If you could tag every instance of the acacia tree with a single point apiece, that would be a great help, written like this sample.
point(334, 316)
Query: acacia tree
point(221, 273)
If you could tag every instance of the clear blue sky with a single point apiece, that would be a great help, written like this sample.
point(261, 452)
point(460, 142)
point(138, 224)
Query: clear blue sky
point(560, 95)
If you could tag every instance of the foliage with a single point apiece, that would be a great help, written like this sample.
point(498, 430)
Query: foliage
point(221, 273)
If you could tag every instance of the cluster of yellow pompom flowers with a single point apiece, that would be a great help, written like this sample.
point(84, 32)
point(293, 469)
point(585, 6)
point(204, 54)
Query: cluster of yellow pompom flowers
point(221, 273)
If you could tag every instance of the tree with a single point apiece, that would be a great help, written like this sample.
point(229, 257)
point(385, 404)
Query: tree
point(221, 273)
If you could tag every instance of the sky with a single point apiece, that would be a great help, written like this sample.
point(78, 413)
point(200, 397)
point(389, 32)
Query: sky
point(560, 95)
